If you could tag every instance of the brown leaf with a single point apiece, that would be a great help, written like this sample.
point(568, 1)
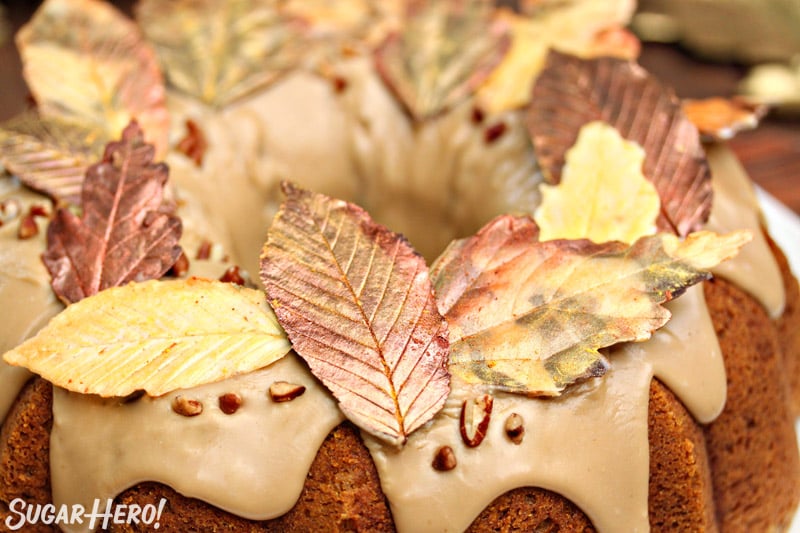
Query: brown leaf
point(571, 92)
point(529, 317)
point(86, 63)
point(121, 236)
point(357, 304)
point(447, 49)
point(48, 155)
point(220, 50)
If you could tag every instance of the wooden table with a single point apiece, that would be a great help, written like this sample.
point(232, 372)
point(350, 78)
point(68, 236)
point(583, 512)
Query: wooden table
point(771, 154)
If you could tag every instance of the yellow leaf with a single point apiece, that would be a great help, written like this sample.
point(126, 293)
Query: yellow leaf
point(572, 27)
point(156, 336)
point(603, 195)
point(86, 63)
point(220, 51)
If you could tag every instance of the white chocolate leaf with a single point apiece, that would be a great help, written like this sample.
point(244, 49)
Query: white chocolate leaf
point(156, 336)
point(603, 195)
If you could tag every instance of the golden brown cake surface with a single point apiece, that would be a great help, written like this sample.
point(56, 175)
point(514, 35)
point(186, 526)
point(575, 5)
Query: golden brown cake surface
point(752, 450)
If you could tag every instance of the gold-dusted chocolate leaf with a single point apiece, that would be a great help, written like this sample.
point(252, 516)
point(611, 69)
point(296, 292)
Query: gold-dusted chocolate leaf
point(220, 50)
point(447, 49)
point(357, 303)
point(603, 195)
point(529, 317)
point(49, 155)
point(721, 118)
point(87, 63)
point(571, 92)
point(155, 336)
point(587, 28)
point(122, 234)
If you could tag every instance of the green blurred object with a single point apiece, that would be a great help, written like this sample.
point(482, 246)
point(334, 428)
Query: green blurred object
point(763, 34)
point(745, 31)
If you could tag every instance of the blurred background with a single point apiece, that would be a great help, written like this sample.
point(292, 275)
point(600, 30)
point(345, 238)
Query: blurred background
point(702, 48)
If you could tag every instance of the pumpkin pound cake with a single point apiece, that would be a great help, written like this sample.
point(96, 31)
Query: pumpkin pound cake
point(398, 265)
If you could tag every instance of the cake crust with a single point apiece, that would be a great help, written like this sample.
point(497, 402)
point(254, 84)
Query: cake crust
point(752, 449)
point(342, 490)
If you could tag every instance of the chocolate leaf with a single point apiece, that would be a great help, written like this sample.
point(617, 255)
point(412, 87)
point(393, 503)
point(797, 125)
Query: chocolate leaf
point(87, 63)
point(48, 155)
point(571, 92)
point(121, 236)
point(155, 336)
point(584, 28)
point(357, 304)
point(446, 50)
point(529, 317)
point(603, 195)
point(218, 50)
point(719, 119)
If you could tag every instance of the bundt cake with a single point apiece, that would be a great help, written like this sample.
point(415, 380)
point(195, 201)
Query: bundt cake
point(228, 342)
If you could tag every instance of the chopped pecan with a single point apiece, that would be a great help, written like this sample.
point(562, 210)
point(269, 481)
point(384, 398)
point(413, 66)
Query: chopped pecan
point(283, 391)
point(229, 403)
point(445, 459)
point(515, 428)
point(233, 275)
point(186, 406)
point(474, 421)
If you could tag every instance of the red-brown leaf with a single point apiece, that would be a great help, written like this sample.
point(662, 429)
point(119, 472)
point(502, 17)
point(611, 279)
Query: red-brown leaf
point(358, 306)
point(121, 236)
point(571, 92)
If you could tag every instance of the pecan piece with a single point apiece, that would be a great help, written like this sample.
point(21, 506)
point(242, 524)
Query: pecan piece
point(186, 406)
point(204, 250)
point(515, 428)
point(229, 403)
point(27, 227)
point(194, 144)
point(494, 132)
point(283, 391)
point(445, 459)
point(233, 275)
point(181, 266)
point(474, 421)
